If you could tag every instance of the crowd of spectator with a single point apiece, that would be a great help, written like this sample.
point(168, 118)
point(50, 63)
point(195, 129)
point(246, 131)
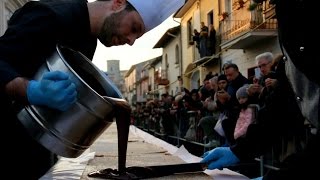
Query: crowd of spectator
point(220, 112)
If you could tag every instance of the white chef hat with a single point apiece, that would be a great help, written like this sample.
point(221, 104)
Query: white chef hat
point(154, 12)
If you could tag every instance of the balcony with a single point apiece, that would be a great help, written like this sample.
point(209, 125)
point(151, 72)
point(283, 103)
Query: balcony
point(160, 78)
point(244, 28)
point(207, 60)
point(144, 75)
point(163, 82)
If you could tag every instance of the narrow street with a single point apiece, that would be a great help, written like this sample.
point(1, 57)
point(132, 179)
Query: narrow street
point(139, 153)
point(143, 150)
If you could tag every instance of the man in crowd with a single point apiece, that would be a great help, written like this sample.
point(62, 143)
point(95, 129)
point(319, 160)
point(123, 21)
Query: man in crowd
point(227, 100)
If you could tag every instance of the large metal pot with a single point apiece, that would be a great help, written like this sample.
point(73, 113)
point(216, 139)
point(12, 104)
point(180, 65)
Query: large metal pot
point(71, 132)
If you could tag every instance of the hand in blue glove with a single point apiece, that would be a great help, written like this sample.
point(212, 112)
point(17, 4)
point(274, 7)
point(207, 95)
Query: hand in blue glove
point(55, 90)
point(219, 157)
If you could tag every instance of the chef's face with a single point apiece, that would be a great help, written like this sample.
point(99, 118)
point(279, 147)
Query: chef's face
point(122, 27)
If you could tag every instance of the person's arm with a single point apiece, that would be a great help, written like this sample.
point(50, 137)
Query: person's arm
point(211, 104)
point(23, 42)
point(17, 88)
point(34, 31)
point(31, 37)
point(246, 120)
point(254, 144)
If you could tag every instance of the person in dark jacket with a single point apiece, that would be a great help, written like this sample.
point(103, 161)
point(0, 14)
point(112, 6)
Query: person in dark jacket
point(33, 32)
point(300, 66)
point(227, 100)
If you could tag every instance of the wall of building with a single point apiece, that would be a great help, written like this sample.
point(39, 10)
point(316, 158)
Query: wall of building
point(7, 8)
point(141, 87)
point(113, 70)
point(151, 78)
point(122, 81)
point(199, 12)
point(174, 68)
point(3, 18)
point(188, 50)
point(207, 6)
point(130, 85)
point(159, 89)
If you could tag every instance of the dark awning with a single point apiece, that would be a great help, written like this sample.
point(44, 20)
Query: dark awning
point(204, 60)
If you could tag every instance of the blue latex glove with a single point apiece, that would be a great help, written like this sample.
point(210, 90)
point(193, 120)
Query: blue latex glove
point(219, 157)
point(55, 90)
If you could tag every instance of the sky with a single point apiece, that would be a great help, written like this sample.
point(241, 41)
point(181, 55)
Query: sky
point(140, 51)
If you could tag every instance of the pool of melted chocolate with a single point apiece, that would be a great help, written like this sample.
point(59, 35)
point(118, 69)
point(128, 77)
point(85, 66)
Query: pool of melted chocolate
point(122, 115)
point(130, 173)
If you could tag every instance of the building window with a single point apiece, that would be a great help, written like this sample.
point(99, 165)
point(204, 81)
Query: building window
point(210, 18)
point(228, 5)
point(190, 30)
point(8, 15)
point(166, 62)
point(177, 55)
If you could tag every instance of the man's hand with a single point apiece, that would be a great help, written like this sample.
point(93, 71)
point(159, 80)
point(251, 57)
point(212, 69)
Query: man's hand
point(254, 89)
point(55, 90)
point(271, 83)
point(223, 96)
point(219, 158)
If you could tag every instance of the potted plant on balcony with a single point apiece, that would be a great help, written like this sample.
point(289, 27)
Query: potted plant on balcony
point(223, 16)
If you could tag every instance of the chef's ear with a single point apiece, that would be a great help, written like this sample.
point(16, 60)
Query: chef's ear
point(118, 5)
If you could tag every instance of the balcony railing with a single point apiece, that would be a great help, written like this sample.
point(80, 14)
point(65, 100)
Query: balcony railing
point(161, 78)
point(243, 20)
point(144, 75)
